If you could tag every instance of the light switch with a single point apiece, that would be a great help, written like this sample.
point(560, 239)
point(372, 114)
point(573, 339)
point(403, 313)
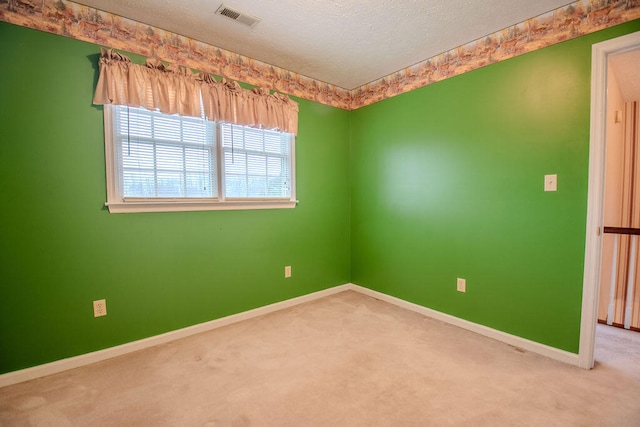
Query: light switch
point(551, 182)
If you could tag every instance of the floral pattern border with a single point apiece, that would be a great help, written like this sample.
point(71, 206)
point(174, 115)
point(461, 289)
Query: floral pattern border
point(573, 20)
point(84, 23)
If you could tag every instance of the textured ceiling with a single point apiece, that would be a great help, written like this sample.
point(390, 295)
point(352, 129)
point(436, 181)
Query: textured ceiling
point(625, 66)
point(343, 42)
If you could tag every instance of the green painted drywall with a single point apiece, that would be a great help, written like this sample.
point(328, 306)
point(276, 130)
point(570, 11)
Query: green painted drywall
point(60, 249)
point(447, 182)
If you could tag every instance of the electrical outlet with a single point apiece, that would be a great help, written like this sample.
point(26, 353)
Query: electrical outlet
point(287, 271)
point(462, 285)
point(99, 308)
point(551, 182)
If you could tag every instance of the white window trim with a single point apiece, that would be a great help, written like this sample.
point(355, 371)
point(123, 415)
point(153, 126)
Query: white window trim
point(116, 204)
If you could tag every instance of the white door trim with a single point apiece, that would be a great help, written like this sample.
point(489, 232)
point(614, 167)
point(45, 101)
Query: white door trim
point(595, 198)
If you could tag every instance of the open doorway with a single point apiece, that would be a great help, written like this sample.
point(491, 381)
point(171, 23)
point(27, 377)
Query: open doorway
point(602, 53)
point(619, 296)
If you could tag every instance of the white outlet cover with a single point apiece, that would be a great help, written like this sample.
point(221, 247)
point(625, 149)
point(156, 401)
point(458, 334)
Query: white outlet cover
point(287, 271)
point(461, 285)
point(99, 308)
point(551, 182)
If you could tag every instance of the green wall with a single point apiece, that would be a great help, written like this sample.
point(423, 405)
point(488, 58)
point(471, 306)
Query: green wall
point(447, 182)
point(402, 196)
point(60, 249)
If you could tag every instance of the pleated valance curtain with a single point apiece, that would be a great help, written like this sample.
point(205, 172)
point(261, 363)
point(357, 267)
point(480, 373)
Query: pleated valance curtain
point(176, 90)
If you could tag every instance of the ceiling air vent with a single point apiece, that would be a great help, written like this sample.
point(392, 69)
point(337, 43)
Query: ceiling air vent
point(236, 15)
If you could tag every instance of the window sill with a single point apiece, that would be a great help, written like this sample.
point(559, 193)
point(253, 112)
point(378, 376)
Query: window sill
point(196, 205)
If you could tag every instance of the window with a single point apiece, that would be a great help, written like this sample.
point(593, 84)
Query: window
point(255, 162)
point(158, 162)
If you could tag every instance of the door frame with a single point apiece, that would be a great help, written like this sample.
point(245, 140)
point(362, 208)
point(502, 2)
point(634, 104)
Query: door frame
point(595, 198)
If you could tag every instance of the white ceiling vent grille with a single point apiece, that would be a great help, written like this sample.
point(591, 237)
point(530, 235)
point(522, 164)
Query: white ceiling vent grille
point(236, 15)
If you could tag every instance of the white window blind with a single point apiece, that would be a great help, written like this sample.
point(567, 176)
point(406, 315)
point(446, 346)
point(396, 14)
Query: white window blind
point(165, 156)
point(160, 162)
point(255, 162)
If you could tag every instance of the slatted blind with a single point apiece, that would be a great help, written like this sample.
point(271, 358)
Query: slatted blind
point(255, 162)
point(165, 156)
point(169, 156)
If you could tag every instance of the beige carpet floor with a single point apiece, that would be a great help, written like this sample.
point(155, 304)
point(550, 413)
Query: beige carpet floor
point(344, 360)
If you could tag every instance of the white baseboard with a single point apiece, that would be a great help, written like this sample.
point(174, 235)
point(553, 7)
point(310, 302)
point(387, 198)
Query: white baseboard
point(97, 356)
point(108, 353)
point(535, 347)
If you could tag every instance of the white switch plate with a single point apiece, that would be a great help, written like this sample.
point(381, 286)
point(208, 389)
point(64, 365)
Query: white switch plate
point(551, 182)
point(462, 285)
point(99, 308)
point(287, 271)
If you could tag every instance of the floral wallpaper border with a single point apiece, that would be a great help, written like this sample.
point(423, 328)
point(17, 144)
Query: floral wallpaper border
point(573, 20)
point(84, 23)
